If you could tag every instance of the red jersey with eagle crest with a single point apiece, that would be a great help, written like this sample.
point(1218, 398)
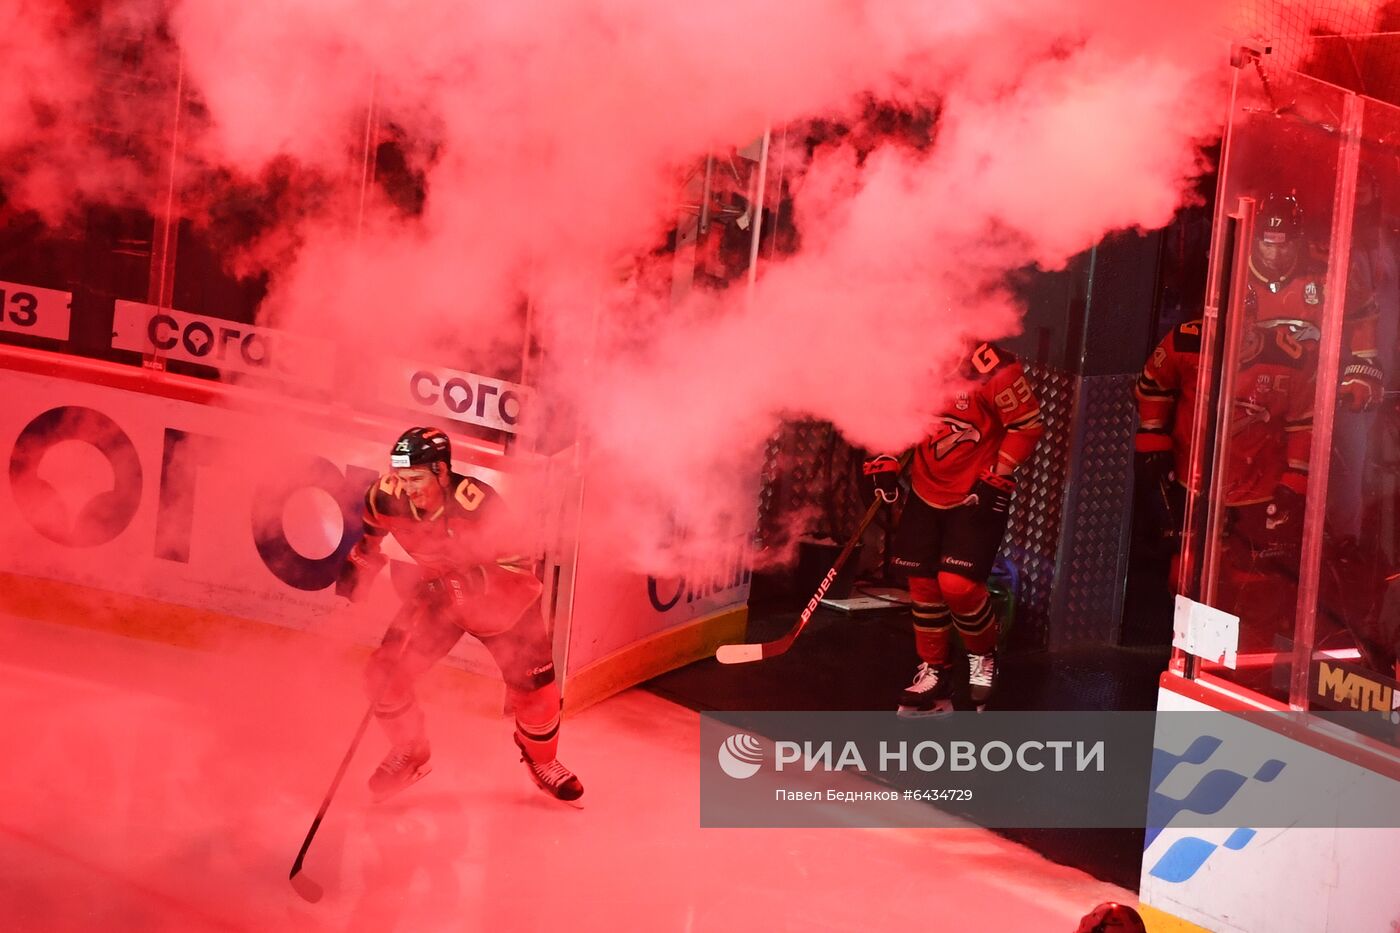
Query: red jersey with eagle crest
point(471, 527)
point(1295, 299)
point(990, 425)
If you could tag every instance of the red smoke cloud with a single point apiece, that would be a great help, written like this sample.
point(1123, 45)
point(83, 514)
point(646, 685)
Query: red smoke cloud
point(559, 131)
point(37, 99)
point(551, 136)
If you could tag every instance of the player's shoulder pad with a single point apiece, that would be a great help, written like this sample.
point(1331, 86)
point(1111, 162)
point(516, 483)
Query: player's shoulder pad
point(988, 359)
point(470, 493)
point(385, 497)
point(1186, 337)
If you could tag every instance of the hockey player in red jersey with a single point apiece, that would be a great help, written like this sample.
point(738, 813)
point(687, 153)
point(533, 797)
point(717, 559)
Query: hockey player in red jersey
point(1283, 304)
point(1265, 476)
point(1270, 431)
point(1286, 288)
point(963, 478)
point(456, 529)
point(1166, 401)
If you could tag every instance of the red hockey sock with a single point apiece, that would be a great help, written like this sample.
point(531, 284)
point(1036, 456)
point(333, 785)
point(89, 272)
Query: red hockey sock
point(978, 628)
point(932, 631)
point(537, 722)
point(540, 748)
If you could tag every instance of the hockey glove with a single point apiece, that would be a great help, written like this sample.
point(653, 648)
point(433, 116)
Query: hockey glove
point(357, 573)
point(884, 473)
point(454, 591)
point(1361, 386)
point(993, 492)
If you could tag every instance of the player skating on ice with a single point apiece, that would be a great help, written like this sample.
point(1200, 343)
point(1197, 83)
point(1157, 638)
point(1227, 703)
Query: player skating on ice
point(963, 478)
point(458, 532)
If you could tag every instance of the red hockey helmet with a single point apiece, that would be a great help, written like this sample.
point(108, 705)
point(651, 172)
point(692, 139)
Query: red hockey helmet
point(1111, 917)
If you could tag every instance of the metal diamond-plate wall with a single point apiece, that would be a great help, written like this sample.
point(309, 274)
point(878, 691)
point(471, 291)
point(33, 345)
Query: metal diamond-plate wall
point(810, 485)
point(1065, 545)
point(1032, 541)
point(807, 485)
point(1088, 600)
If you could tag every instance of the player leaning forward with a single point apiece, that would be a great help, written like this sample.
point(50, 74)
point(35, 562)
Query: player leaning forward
point(454, 527)
point(962, 476)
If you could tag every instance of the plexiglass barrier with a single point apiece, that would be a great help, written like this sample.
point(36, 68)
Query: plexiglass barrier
point(1292, 462)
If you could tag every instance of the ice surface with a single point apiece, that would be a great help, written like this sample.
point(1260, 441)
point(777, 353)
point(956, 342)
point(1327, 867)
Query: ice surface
point(147, 787)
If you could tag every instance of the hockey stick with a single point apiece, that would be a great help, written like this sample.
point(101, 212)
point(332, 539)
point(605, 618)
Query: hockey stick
point(304, 886)
point(762, 651)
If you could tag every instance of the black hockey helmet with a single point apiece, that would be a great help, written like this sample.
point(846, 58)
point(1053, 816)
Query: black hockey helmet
point(1278, 219)
point(1111, 917)
point(418, 447)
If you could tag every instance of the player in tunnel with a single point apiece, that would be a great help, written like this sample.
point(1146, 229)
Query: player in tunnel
point(962, 477)
point(1270, 432)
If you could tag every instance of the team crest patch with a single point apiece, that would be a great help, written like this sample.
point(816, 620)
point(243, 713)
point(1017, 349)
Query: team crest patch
point(949, 432)
point(1312, 294)
point(962, 402)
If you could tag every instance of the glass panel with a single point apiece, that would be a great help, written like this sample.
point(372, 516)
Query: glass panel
point(1357, 623)
point(1283, 158)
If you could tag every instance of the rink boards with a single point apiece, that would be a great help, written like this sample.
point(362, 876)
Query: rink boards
point(222, 501)
point(1248, 878)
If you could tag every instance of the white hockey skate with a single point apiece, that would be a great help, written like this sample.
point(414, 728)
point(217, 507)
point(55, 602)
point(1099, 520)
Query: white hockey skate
point(404, 766)
point(931, 693)
point(981, 678)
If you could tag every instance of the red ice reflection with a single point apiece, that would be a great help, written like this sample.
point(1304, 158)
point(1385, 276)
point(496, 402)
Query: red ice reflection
point(157, 790)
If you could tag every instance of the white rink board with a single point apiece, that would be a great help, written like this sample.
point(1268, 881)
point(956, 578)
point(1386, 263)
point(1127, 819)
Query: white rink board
point(166, 498)
point(203, 546)
point(1278, 880)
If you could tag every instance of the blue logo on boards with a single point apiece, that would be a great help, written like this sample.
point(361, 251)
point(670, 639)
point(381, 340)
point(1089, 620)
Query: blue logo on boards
point(1189, 853)
point(1212, 792)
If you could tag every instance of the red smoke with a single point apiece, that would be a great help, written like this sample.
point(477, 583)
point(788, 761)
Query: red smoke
point(552, 139)
point(560, 129)
point(552, 135)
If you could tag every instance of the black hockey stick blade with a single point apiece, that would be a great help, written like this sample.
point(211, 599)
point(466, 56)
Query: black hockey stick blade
point(304, 886)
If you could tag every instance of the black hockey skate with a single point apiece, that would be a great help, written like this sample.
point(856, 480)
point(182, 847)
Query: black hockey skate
point(931, 693)
point(981, 678)
point(405, 765)
point(552, 777)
